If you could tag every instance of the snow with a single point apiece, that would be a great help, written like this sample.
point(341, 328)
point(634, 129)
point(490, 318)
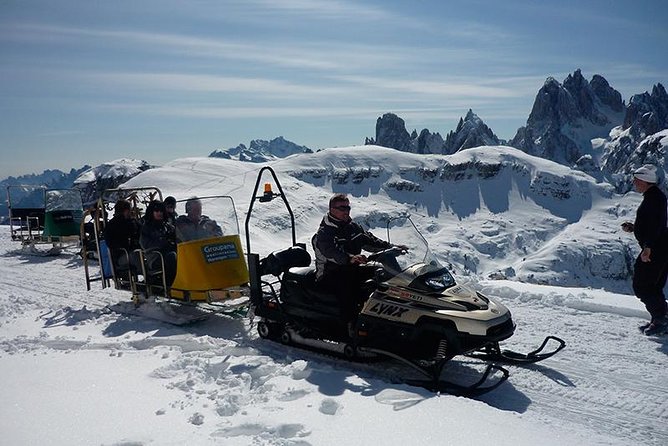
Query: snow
point(76, 373)
point(124, 168)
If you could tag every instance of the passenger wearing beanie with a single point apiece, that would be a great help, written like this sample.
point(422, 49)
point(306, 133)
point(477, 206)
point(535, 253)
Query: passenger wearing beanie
point(158, 236)
point(170, 210)
point(122, 236)
point(651, 266)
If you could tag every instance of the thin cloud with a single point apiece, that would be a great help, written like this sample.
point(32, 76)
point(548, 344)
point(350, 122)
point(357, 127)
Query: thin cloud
point(435, 88)
point(318, 55)
point(327, 9)
point(196, 111)
point(214, 84)
point(62, 133)
point(182, 44)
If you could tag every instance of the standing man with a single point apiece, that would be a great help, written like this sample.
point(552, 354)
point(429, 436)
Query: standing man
point(651, 267)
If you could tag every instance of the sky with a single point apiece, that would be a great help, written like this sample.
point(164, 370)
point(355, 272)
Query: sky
point(88, 81)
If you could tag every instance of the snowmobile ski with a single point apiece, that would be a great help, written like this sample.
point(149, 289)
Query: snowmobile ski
point(493, 352)
point(434, 383)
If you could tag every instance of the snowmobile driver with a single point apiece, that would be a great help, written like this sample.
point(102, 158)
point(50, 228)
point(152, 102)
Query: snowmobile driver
point(651, 266)
point(339, 261)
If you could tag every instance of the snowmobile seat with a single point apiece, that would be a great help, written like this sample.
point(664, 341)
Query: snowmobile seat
point(279, 262)
point(303, 274)
point(300, 288)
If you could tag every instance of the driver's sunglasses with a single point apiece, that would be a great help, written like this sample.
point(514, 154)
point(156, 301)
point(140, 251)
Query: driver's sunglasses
point(342, 208)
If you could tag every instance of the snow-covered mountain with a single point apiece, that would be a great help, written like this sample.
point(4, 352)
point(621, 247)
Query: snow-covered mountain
point(566, 117)
point(51, 179)
point(470, 132)
point(577, 123)
point(640, 140)
point(495, 211)
point(261, 150)
point(108, 175)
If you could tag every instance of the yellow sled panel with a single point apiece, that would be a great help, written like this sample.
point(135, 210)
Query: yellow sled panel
point(206, 265)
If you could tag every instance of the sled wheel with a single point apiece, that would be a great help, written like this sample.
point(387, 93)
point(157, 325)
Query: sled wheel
point(264, 330)
point(286, 338)
point(349, 351)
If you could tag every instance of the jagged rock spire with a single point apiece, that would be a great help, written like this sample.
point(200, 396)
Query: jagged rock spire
point(471, 132)
point(563, 114)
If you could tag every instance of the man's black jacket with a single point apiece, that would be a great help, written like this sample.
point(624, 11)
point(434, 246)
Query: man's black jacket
point(650, 225)
point(337, 241)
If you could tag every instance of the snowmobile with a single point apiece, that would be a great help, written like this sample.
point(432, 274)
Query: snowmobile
point(211, 272)
point(414, 312)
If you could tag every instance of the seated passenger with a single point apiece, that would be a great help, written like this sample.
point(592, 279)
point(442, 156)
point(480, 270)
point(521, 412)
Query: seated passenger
point(122, 235)
point(194, 225)
point(158, 236)
point(170, 210)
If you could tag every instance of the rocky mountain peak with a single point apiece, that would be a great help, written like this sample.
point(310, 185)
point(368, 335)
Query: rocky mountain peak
point(575, 81)
point(647, 113)
point(640, 139)
point(471, 132)
point(606, 94)
point(659, 92)
point(261, 150)
point(428, 142)
point(391, 132)
point(565, 117)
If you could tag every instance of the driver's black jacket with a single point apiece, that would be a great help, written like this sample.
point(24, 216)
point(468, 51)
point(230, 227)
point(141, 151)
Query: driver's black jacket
point(337, 241)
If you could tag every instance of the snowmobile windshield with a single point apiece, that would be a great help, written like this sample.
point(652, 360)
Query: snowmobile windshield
point(402, 232)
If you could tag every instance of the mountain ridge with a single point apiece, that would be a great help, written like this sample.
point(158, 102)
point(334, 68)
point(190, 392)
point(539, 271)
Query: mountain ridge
point(508, 214)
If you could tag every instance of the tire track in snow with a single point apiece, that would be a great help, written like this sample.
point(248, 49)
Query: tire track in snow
point(610, 377)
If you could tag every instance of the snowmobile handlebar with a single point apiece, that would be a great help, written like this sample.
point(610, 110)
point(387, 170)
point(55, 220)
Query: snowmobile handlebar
point(394, 251)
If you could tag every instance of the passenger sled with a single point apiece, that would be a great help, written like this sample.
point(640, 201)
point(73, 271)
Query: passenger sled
point(211, 272)
point(41, 216)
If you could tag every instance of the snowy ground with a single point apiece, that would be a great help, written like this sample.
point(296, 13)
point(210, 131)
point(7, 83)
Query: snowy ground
point(75, 373)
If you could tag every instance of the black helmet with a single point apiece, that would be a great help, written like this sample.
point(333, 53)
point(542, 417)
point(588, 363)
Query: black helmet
point(170, 201)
